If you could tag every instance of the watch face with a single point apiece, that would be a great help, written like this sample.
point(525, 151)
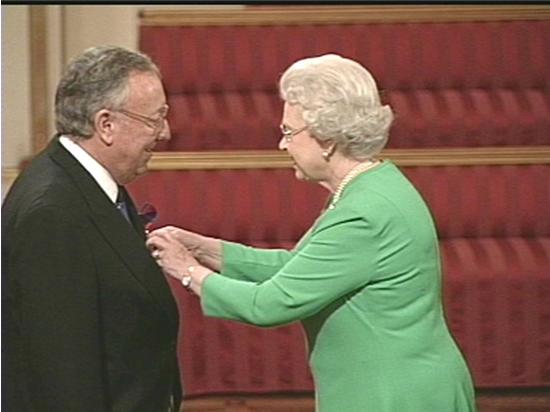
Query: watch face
point(186, 281)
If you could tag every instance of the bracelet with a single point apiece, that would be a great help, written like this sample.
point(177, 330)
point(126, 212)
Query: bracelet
point(186, 279)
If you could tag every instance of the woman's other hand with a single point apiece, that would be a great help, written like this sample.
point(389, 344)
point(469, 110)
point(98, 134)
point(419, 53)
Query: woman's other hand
point(168, 248)
point(190, 240)
point(207, 250)
point(169, 252)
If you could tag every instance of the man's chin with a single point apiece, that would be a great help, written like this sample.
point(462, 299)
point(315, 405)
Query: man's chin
point(144, 166)
point(142, 170)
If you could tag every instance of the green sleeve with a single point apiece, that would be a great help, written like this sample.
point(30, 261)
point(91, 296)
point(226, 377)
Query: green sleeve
point(338, 258)
point(252, 264)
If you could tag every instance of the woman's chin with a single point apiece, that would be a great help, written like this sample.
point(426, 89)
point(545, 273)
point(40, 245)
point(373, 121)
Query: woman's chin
point(299, 174)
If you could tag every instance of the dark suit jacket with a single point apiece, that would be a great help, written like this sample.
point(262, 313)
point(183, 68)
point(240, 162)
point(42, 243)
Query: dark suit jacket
point(89, 322)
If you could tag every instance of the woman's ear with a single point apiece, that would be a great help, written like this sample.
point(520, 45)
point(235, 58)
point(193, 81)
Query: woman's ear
point(329, 147)
point(104, 126)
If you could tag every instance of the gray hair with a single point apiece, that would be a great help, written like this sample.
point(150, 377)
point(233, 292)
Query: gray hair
point(94, 80)
point(340, 103)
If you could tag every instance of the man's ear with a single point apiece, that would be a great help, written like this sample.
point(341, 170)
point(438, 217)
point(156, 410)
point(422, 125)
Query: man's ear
point(104, 126)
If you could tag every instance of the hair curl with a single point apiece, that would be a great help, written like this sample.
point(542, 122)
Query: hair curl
point(94, 80)
point(340, 103)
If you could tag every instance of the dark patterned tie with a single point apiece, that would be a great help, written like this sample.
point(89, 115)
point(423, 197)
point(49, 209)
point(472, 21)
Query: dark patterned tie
point(121, 204)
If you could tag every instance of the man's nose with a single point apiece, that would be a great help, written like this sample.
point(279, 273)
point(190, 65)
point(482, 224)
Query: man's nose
point(165, 133)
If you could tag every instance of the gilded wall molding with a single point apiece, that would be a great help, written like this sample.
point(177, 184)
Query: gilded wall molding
point(272, 159)
point(347, 14)
point(9, 174)
point(39, 77)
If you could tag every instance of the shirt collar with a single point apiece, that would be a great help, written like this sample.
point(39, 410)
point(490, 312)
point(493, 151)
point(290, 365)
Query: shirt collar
point(98, 172)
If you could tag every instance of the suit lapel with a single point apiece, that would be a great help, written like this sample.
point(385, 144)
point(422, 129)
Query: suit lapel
point(127, 241)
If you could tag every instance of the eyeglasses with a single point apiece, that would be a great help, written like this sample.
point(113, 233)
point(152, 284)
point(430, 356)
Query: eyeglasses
point(157, 124)
point(288, 133)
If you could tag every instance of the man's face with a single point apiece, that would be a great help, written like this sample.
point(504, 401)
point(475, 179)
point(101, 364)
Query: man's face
point(142, 124)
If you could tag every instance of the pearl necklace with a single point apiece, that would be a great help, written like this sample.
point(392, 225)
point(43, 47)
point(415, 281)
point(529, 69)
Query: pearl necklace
point(352, 174)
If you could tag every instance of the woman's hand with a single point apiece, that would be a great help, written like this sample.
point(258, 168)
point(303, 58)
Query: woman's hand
point(191, 241)
point(207, 250)
point(170, 252)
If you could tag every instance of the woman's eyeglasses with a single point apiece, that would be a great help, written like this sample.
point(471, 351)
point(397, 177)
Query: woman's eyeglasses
point(289, 133)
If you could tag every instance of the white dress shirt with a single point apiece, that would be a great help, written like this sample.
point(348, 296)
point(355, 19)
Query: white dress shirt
point(98, 172)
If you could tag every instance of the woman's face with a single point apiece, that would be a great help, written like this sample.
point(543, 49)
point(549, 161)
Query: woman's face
point(306, 152)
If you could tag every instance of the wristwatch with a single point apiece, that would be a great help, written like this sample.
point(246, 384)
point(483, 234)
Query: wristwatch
point(186, 279)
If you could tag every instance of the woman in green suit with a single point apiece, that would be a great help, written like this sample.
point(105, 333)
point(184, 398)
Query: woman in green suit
point(365, 281)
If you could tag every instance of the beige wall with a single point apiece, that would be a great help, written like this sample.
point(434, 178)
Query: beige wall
point(15, 85)
point(88, 26)
point(69, 30)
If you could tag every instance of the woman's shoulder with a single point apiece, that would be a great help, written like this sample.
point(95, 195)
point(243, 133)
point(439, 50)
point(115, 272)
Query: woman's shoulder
point(379, 195)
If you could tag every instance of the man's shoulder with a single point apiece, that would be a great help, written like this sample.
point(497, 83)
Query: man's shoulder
point(42, 177)
point(41, 185)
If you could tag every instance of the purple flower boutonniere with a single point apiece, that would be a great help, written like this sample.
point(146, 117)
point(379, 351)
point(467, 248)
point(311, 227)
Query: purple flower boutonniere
point(147, 215)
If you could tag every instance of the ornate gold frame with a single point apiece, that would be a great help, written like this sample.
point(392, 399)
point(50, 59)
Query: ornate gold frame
point(39, 81)
point(330, 14)
point(271, 159)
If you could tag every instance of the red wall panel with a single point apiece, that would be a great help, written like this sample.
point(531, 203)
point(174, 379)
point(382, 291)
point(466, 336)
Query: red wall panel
point(450, 84)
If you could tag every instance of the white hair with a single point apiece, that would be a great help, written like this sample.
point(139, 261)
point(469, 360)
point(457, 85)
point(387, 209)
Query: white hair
point(340, 103)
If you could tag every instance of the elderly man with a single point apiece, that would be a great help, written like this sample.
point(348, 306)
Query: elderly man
point(89, 322)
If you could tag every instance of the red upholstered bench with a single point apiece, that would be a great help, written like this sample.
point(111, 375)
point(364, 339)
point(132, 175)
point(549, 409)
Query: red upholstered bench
point(495, 244)
point(470, 89)
point(451, 84)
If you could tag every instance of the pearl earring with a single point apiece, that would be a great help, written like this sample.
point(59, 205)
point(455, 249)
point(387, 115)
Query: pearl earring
point(327, 154)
